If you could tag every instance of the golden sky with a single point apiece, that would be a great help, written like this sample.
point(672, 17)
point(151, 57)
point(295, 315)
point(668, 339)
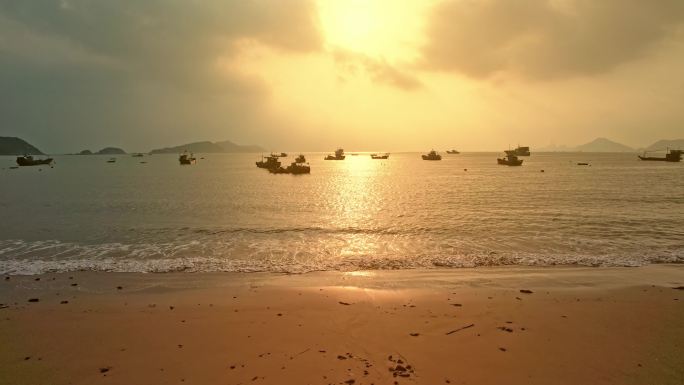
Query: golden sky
point(366, 75)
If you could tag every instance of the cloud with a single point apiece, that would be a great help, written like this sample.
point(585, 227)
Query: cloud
point(85, 68)
point(379, 70)
point(545, 39)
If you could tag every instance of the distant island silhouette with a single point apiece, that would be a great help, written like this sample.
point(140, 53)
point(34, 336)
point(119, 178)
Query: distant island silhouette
point(104, 151)
point(10, 145)
point(16, 146)
point(676, 144)
point(607, 145)
point(209, 147)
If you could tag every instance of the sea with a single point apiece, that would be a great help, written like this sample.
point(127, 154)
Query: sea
point(151, 214)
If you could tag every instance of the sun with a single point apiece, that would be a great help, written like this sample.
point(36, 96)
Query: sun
point(349, 23)
point(387, 28)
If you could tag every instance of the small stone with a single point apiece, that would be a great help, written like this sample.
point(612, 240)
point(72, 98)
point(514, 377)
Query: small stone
point(525, 291)
point(34, 300)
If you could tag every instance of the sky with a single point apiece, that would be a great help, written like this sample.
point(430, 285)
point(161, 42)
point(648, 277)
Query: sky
point(383, 75)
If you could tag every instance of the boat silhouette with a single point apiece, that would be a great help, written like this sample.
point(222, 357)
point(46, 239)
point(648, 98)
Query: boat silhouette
point(268, 162)
point(294, 168)
point(509, 160)
point(671, 156)
point(519, 151)
point(28, 160)
point(187, 158)
point(432, 155)
point(339, 155)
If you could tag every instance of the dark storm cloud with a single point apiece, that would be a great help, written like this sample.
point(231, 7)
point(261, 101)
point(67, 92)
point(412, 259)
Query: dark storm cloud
point(107, 69)
point(545, 39)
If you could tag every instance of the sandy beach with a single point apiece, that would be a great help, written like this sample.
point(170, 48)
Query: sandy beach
point(465, 326)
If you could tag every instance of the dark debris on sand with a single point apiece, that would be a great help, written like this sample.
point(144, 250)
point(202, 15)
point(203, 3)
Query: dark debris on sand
point(459, 329)
point(399, 368)
point(525, 291)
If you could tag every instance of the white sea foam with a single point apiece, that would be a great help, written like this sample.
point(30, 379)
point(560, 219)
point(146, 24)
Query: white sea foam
point(17, 257)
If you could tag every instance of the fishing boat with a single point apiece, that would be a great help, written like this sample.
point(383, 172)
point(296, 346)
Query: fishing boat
point(28, 160)
point(432, 155)
point(111, 160)
point(380, 156)
point(671, 156)
point(187, 158)
point(294, 168)
point(453, 152)
point(339, 155)
point(297, 168)
point(138, 155)
point(522, 151)
point(509, 160)
point(300, 159)
point(269, 162)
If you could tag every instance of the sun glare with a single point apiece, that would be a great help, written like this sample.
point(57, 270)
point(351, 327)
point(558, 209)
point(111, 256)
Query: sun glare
point(372, 27)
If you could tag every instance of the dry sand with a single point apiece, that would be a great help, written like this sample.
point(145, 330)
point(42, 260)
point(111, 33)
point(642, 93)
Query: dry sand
point(465, 326)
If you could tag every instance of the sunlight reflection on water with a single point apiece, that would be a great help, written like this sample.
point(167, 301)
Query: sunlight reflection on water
point(224, 214)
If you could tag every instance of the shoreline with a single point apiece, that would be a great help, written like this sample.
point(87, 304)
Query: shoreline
point(576, 325)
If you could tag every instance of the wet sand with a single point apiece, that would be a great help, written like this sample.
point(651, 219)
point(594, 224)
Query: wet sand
point(467, 326)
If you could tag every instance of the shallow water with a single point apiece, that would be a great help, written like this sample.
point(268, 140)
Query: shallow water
point(224, 214)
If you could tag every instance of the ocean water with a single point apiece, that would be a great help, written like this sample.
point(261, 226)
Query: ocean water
point(224, 214)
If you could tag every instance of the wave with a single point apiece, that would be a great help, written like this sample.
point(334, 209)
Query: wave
point(20, 257)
